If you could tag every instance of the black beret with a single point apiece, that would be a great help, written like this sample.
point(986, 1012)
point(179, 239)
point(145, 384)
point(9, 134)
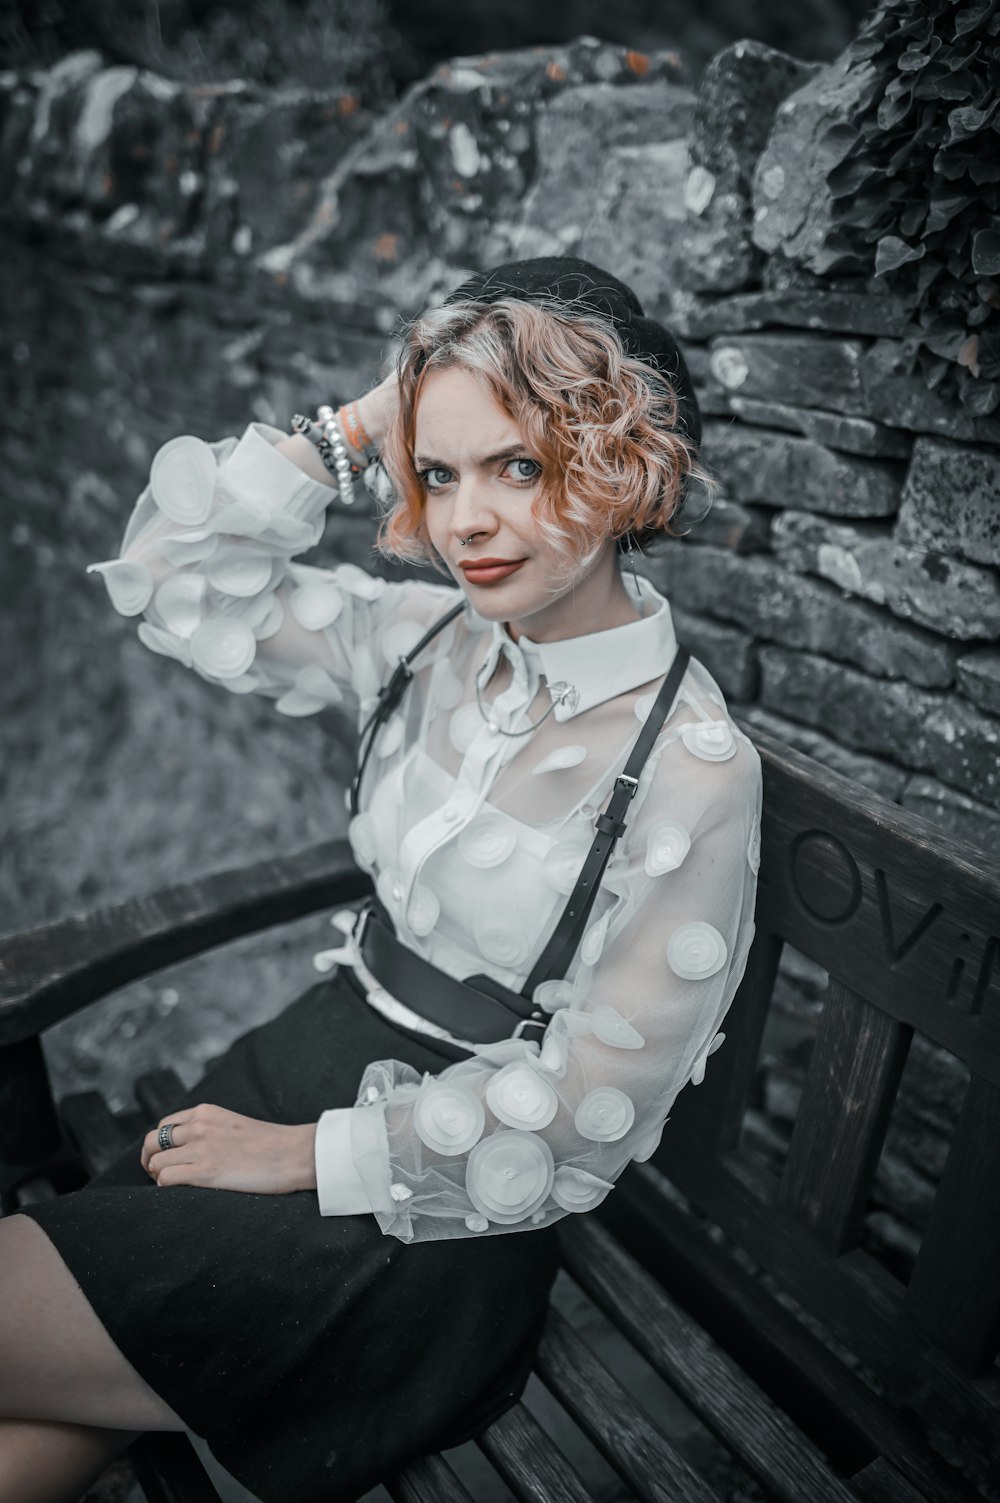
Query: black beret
point(567, 279)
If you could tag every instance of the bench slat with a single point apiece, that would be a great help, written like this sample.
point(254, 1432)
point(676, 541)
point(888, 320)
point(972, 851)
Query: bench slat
point(50, 972)
point(853, 1296)
point(879, 1482)
point(819, 1393)
point(643, 1457)
point(531, 1464)
point(427, 1480)
point(954, 1290)
point(733, 1407)
point(856, 1065)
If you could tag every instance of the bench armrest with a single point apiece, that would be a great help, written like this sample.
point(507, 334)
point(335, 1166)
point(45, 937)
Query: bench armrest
point(52, 971)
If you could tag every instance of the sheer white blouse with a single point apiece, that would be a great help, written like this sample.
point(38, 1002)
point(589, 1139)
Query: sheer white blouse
point(474, 839)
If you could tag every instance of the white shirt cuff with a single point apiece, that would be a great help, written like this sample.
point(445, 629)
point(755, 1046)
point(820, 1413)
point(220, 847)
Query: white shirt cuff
point(258, 474)
point(338, 1184)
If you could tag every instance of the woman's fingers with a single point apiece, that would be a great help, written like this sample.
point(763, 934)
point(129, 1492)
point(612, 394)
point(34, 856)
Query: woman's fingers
point(378, 407)
point(151, 1142)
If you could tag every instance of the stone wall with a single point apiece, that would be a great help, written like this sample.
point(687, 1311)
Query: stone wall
point(853, 563)
point(184, 258)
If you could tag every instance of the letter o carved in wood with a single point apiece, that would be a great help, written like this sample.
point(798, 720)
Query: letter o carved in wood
point(825, 876)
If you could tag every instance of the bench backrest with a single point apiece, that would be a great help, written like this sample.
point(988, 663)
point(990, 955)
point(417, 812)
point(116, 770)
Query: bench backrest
point(906, 922)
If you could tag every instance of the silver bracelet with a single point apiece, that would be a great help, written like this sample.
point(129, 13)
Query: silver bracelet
point(336, 464)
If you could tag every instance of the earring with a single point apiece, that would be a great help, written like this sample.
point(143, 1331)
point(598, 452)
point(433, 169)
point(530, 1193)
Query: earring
point(631, 562)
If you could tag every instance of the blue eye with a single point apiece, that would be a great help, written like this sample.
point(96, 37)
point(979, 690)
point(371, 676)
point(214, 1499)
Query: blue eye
point(520, 475)
point(432, 477)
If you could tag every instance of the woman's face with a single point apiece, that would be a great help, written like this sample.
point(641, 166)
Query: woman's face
point(480, 480)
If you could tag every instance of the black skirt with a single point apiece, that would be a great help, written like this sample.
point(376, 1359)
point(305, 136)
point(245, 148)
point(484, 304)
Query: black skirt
point(314, 1354)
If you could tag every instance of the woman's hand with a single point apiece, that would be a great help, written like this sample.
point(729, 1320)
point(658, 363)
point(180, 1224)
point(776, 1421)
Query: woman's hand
point(220, 1150)
point(378, 407)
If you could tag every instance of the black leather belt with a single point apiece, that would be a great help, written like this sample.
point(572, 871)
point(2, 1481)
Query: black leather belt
point(479, 1010)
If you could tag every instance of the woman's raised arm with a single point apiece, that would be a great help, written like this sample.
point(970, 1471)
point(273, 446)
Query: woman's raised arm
point(208, 560)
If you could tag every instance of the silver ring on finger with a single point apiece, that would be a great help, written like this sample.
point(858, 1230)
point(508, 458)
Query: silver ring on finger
point(165, 1136)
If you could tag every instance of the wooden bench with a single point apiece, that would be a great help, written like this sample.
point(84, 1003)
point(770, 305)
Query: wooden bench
point(824, 1375)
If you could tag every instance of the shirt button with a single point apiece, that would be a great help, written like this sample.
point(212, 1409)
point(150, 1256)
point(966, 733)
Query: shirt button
point(449, 812)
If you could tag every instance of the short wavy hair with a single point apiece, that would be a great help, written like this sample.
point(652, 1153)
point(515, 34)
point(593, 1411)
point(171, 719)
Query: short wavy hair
point(602, 424)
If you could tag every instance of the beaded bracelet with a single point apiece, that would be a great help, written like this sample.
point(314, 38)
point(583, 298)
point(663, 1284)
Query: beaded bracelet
point(330, 446)
point(327, 419)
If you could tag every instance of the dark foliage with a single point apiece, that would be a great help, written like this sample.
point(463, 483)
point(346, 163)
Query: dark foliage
point(917, 191)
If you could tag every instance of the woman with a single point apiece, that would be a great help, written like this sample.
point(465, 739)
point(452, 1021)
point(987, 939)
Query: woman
point(558, 931)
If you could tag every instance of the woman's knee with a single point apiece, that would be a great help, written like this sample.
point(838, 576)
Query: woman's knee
point(59, 1361)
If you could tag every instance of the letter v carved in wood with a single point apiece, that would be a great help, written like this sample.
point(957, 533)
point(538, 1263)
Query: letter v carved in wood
point(893, 951)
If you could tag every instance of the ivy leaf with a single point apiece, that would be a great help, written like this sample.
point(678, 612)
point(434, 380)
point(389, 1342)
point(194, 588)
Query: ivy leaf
point(972, 16)
point(913, 59)
point(892, 111)
point(989, 354)
point(968, 121)
point(912, 219)
point(956, 86)
point(951, 165)
point(944, 207)
point(982, 397)
point(983, 170)
point(936, 374)
point(948, 344)
point(919, 28)
point(986, 252)
point(849, 176)
point(962, 59)
point(968, 355)
point(892, 253)
point(927, 272)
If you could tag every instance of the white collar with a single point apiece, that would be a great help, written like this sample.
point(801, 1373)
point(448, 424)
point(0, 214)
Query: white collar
point(599, 664)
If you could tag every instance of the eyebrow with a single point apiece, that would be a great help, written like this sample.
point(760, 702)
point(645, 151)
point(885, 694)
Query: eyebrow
point(513, 451)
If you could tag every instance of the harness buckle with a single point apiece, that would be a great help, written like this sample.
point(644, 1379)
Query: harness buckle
point(364, 914)
point(541, 1023)
point(631, 785)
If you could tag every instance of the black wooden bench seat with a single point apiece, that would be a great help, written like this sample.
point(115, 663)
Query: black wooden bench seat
point(747, 1290)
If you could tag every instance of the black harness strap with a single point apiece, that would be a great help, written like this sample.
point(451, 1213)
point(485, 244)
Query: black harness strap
point(389, 696)
point(554, 960)
point(446, 1000)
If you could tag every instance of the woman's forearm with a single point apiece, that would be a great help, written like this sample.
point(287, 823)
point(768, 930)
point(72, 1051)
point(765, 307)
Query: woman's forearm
point(374, 410)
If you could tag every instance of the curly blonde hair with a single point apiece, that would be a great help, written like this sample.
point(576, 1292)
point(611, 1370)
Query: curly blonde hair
point(601, 424)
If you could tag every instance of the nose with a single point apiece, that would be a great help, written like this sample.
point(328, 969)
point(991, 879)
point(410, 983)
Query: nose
point(472, 513)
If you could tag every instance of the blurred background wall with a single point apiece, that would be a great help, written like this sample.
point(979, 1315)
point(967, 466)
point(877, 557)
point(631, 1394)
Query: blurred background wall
point(212, 213)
